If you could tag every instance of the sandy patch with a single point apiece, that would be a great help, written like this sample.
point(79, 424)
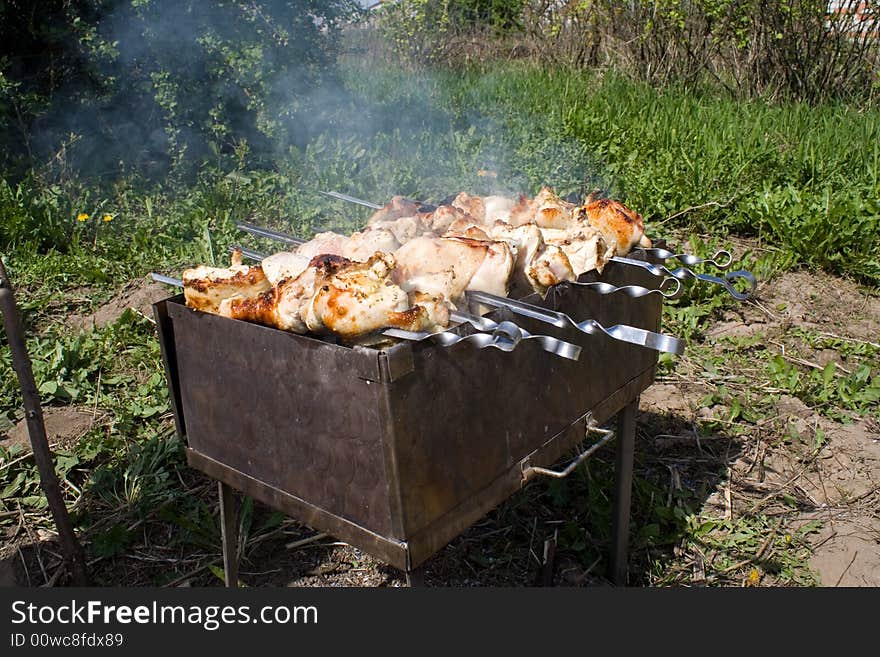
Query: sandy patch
point(139, 295)
point(64, 425)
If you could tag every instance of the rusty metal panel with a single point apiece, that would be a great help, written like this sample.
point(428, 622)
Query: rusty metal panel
point(425, 542)
point(464, 417)
point(292, 413)
point(391, 551)
point(168, 348)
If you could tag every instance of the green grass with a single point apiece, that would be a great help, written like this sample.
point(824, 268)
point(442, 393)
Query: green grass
point(802, 180)
point(800, 177)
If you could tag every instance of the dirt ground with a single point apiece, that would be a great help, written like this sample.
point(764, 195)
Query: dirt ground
point(138, 295)
point(64, 425)
point(836, 484)
point(840, 484)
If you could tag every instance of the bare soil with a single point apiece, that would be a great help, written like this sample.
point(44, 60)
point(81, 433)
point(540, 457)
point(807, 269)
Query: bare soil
point(836, 484)
point(64, 426)
point(138, 295)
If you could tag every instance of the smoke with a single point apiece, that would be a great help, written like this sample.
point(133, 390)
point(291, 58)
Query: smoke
point(157, 82)
point(180, 83)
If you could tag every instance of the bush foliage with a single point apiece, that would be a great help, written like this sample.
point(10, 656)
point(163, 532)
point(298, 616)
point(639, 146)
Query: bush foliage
point(151, 82)
point(800, 49)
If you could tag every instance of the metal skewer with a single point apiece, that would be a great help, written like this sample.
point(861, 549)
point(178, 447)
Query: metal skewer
point(722, 259)
point(505, 337)
point(351, 199)
point(168, 280)
point(501, 338)
point(634, 291)
point(423, 207)
point(250, 254)
point(259, 231)
point(680, 273)
point(514, 333)
point(683, 273)
point(517, 333)
point(622, 332)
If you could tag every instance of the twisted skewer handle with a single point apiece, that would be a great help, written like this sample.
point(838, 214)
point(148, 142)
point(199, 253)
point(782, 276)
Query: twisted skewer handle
point(517, 333)
point(622, 332)
point(721, 259)
point(683, 273)
point(637, 291)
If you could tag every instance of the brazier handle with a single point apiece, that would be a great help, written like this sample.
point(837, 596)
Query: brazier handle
point(533, 471)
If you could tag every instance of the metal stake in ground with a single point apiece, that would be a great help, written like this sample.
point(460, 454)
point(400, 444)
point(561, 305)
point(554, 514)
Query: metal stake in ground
point(71, 547)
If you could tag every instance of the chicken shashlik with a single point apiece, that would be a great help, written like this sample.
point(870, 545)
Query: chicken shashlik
point(411, 265)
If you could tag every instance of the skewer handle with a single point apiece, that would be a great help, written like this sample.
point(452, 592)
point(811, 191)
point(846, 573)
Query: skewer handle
point(517, 333)
point(722, 259)
point(622, 332)
point(683, 273)
point(636, 291)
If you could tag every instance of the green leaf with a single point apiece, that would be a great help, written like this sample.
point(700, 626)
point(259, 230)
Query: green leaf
point(828, 372)
point(13, 488)
point(112, 542)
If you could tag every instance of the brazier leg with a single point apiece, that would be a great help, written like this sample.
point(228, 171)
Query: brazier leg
point(626, 439)
point(415, 577)
point(229, 505)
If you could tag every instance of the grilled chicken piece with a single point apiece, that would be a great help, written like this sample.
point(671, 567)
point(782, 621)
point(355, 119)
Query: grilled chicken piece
point(336, 295)
point(405, 228)
point(284, 264)
point(204, 288)
point(467, 228)
point(436, 306)
point(485, 210)
point(362, 245)
point(473, 205)
point(498, 208)
point(621, 227)
point(551, 211)
point(538, 265)
point(439, 221)
point(328, 243)
point(447, 266)
point(279, 306)
point(584, 245)
point(399, 206)
point(353, 298)
point(546, 210)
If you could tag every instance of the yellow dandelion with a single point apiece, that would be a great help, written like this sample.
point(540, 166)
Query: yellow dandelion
point(753, 578)
point(82, 216)
point(788, 538)
point(107, 217)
